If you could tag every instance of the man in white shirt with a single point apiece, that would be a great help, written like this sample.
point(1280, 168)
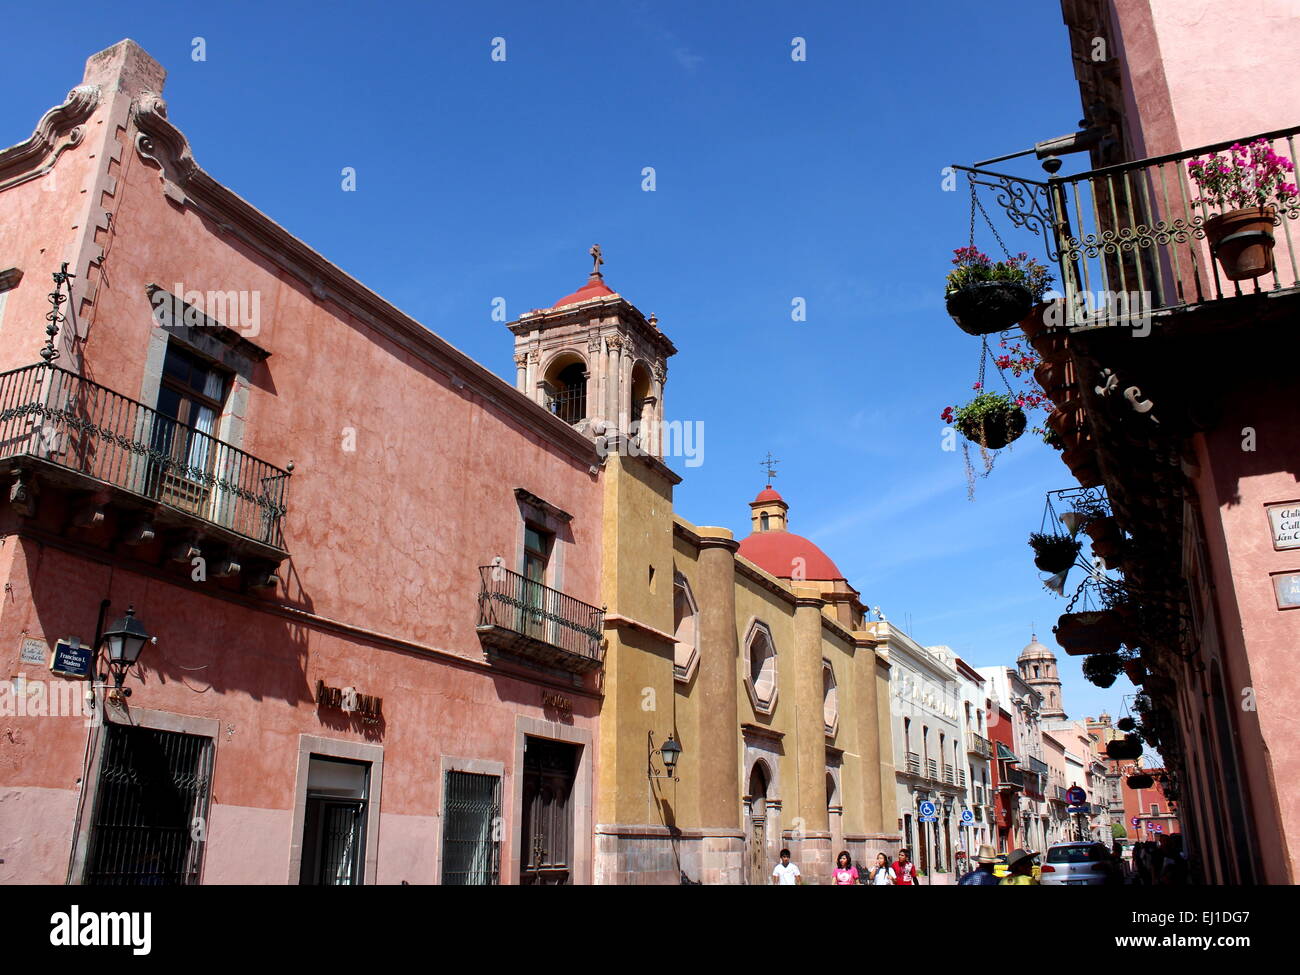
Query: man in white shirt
point(785, 873)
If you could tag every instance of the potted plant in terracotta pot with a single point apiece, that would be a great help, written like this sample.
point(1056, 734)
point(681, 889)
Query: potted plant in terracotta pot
point(1243, 185)
point(986, 296)
point(1139, 780)
point(1128, 747)
point(1102, 668)
point(991, 420)
point(1107, 539)
point(1135, 670)
point(1053, 552)
point(1094, 631)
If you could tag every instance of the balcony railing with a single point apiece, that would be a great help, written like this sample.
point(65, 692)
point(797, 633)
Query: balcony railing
point(51, 415)
point(932, 768)
point(979, 745)
point(534, 621)
point(948, 775)
point(961, 778)
point(1010, 778)
point(1135, 230)
point(913, 763)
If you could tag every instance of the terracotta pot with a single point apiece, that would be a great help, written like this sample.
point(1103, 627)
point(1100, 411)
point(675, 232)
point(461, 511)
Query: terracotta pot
point(1107, 540)
point(1080, 634)
point(1242, 242)
point(996, 431)
point(1050, 345)
point(990, 306)
point(1135, 670)
point(1082, 462)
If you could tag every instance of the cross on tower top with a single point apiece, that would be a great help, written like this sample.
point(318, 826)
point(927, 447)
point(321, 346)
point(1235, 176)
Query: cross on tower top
point(768, 464)
point(597, 260)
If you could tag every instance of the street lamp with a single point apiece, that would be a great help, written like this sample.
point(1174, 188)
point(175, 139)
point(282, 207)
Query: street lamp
point(669, 751)
point(124, 641)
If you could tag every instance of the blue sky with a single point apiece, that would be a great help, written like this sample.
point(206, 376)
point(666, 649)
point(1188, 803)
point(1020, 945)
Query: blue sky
point(775, 179)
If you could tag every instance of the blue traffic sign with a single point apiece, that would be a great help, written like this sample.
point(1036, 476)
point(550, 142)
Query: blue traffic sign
point(927, 810)
point(967, 816)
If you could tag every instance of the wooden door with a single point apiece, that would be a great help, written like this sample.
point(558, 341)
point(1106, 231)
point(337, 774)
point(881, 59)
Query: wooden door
point(546, 856)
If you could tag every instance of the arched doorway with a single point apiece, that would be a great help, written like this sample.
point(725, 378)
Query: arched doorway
point(756, 832)
point(565, 384)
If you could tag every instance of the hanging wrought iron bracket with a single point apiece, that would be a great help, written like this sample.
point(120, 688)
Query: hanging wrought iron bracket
point(1026, 202)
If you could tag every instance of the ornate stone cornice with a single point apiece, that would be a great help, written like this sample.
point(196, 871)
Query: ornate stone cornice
point(58, 130)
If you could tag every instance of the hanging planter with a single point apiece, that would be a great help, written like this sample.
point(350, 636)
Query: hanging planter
point(991, 420)
point(1136, 671)
point(984, 296)
point(1052, 552)
point(1127, 748)
point(1096, 631)
point(1126, 724)
point(1102, 668)
point(1053, 439)
point(1140, 780)
point(1243, 184)
point(1054, 376)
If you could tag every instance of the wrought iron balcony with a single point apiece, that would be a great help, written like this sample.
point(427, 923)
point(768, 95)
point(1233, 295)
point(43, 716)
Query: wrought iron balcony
point(978, 745)
point(525, 619)
point(1010, 777)
point(932, 769)
point(961, 778)
point(948, 775)
point(1130, 240)
point(63, 428)
point(913, 763)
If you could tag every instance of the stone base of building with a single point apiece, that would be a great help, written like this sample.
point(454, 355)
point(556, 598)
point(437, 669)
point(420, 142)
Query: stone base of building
point(629, 854)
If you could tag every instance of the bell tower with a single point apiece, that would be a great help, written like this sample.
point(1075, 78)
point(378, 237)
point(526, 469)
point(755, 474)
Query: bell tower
point(1037, 666)
point(597, 362)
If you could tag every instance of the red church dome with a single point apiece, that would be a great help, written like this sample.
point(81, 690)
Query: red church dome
point(776, 552)
point(594, 288)
point(768, 494)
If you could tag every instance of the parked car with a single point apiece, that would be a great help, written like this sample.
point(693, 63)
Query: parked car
point(1079, 864)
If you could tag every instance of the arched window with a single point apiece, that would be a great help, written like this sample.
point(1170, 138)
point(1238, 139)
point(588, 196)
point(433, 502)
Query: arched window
point(762, 521)
point(566, 388)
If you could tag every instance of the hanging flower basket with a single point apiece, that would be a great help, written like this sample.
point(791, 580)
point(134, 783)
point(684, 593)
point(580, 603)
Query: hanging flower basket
point(991, 420)
point(1053, 553)
point(1126, 748)
point(1136, 671)
point(1243, 184)
point(984, 297)
point(1101, 669)
point(988, 306)
point(1126, 724)
point(1139, 780)
point(1097, 631)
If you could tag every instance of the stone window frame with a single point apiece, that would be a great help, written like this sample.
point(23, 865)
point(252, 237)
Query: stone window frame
point(763, 692)
point(686, 656)
point(309, 745)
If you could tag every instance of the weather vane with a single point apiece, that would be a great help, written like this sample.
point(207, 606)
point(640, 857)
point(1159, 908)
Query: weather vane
point(769, 465)
point(597, 259)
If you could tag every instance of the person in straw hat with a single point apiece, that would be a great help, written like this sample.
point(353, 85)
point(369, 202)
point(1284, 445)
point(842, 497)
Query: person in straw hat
point(983, 874)
point(1021, 865)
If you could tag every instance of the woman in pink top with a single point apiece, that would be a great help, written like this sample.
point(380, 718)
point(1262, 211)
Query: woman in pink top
point(845, 873)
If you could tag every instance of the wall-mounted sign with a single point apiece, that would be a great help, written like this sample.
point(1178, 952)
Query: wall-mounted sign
point(71, 659)
point(346, 699)
point(1285, 522)
point(34, 652)
point(1286, 587)
point(557, 702)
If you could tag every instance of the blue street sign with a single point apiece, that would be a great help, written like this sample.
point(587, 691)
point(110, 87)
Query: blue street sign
point(1077, 810)
point(927, 811)
point(70, 659)
point(967, 817)
point(1075, 796)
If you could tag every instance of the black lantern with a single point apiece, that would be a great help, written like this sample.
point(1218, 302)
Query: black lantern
point(670, 751)
point(124, 641)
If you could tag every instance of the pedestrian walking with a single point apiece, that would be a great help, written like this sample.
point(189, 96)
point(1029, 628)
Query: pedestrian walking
point(881, 874)
point(904, 869)
point(845, 873)
point(1021, 865)
point(982, 875)
point(785, 873)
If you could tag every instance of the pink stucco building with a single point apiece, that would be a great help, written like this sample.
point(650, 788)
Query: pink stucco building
point(371, 566)
point(1186, 413)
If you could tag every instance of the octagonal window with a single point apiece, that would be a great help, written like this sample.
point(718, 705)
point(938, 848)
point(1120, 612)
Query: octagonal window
point(830, 699)
point(686, 630)
point(760, 653)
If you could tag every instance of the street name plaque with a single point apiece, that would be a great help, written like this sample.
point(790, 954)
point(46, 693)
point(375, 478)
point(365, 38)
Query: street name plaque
point(1284, 519)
